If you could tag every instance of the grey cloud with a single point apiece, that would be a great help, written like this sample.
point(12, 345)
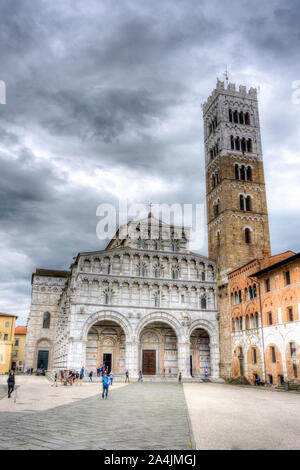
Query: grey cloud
point(118, 89)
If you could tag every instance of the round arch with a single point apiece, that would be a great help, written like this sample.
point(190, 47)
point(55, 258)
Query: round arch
point(212, 332)
point(207, 326)
point(163, 317)
point(158, 337)
point(43, 344)
point(113, 316)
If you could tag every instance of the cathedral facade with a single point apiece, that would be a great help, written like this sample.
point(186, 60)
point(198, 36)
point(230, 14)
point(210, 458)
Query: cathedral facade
point(144, 303)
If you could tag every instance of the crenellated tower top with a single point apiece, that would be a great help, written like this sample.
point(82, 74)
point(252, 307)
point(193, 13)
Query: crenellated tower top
point(230, 89)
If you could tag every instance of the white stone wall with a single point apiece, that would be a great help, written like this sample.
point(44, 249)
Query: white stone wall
point(132, 304)
point(45, 294)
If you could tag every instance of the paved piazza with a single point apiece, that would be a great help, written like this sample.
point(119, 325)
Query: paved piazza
point(148, 416)
point(135, 416)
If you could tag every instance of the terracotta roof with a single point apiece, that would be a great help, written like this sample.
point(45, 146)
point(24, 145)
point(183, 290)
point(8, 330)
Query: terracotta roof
point(20, 330)
point(277, 265)
point(8, 315)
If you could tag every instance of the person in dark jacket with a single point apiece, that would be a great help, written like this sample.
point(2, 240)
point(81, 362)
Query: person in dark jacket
point(11, 382)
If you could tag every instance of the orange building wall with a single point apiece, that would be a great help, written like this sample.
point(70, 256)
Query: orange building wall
point(281, 332)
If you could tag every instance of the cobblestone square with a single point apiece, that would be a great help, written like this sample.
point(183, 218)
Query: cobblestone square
point(135, 416)
point(149, 416)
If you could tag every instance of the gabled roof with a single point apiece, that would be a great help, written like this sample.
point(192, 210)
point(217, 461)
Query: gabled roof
point(150, 220)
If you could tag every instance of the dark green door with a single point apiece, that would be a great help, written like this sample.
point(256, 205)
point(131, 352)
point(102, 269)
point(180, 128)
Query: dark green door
point(42, 362)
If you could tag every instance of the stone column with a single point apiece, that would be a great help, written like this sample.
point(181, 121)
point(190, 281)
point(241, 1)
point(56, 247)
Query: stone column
point(76, 354)
point(183, 358)
point(131, 357)
point(214, 361)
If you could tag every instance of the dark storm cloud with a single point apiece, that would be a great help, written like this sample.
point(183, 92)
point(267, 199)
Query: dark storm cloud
point(103, 101)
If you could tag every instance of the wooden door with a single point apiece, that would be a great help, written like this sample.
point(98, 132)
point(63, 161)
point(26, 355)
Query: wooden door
point(149, 362)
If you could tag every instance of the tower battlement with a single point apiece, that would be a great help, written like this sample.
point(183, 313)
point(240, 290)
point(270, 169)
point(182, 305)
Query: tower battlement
point(231, 89)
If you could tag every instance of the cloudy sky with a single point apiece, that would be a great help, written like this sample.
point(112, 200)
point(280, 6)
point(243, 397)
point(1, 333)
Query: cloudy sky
point(104, 101)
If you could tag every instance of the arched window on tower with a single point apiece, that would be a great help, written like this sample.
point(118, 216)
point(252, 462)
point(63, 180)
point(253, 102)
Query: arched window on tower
point(237, 144)
point(217, 207)
point(236, 171)
point(232, 142)
point(230, 115)
point(248, 203)
point(249, 173)
point(242, 202)
point(46, 320)
point(235, 117)
point(203, 302)
point(218, 234)
point(241, 116)
point(247, 235)
point(243, 144)
point(249, 145)
point(247, 119)
point(242, 173)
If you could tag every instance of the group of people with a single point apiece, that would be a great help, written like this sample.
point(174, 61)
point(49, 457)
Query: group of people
point(73, 377)
point(70, 377)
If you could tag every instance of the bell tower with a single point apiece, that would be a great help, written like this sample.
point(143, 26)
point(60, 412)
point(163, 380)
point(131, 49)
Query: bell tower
point(237, 216)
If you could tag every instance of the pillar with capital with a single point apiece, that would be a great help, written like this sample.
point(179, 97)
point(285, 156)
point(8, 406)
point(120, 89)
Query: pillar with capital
point(183, 357)
point(131, 356)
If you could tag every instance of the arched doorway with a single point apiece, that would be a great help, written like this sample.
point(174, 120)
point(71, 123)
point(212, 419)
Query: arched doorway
point(43, 354)
point(158, 353)
point(200, 361)
point(106, 346)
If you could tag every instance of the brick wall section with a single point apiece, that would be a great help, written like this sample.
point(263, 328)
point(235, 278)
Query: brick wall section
point(277, 301)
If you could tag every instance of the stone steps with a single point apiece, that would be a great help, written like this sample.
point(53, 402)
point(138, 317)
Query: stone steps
point(294, 386)
point(119, 378)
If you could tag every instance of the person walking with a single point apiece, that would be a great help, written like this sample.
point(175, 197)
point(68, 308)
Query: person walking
point(105, 385)
point(55, 380)
point(127, 380)
point(11, 382)
point(91, 376)
point(98, 371)
point(81, 376)
point(140, 379)
point(111, 378)
point(179, 378)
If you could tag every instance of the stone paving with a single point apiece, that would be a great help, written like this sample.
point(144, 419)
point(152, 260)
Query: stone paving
point(226, 417)
point(136, 416)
